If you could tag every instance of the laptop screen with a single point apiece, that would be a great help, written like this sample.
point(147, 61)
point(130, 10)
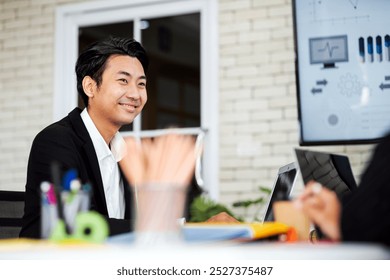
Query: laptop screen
point(282, 188)
point(331, 170)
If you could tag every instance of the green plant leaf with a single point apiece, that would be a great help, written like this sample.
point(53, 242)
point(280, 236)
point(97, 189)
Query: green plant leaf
point(203, 208)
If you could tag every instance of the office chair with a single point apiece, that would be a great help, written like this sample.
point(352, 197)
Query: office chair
point(11, 213)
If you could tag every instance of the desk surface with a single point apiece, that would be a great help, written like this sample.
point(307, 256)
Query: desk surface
point(23, 250)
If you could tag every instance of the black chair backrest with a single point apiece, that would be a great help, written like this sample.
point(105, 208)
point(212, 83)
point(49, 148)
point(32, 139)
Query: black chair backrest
point(11, 213)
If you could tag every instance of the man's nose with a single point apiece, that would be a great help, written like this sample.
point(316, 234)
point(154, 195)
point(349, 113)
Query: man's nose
point(133, 93)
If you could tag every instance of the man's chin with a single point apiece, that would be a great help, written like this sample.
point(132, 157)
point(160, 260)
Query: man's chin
point(127, 121)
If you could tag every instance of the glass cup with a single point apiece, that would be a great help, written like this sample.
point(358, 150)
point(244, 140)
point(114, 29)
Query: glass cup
point(159, 207)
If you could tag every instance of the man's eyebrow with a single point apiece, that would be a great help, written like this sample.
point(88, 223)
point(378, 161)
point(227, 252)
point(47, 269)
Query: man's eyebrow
point(124, 73)
point(129, 75)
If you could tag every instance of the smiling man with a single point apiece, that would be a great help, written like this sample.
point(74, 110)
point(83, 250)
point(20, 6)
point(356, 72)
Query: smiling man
point(111, 81)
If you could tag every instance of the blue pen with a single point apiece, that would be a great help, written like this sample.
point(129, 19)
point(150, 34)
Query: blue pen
point(69, 176)
point(387, 47)
point(370, 49)
point(378, 41)
point(361, 50)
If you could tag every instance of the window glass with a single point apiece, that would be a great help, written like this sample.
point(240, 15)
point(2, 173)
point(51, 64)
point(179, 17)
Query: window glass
point(173, 45)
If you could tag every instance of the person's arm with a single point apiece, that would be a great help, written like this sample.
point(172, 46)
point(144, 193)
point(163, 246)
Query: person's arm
point(49, 145)
point(119, 226)
point(323, 208)
point(366, 212)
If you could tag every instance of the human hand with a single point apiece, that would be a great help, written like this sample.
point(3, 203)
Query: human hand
point(321, 205)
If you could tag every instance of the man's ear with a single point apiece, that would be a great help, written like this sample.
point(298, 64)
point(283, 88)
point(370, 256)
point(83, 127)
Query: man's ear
point(89, 86)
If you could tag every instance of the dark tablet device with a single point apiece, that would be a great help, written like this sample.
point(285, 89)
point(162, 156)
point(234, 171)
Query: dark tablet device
point(331, 170)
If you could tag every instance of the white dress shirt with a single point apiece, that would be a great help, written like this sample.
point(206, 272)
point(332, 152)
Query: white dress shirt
point(109, 169)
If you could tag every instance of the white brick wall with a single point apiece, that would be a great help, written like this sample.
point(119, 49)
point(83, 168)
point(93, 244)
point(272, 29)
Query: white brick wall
point(258, 115)
point(26, 81)
point(258, 98)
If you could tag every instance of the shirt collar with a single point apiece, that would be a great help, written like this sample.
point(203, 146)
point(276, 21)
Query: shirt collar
point(117, 144)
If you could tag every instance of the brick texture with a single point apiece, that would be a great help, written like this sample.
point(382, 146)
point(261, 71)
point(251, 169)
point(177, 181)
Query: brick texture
point(261, 126)
point(257, 95)
point(26, 81)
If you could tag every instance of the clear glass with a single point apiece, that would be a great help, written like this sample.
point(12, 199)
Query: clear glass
point(159, 208)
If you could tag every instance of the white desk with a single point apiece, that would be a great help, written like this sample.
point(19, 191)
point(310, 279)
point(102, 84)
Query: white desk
point(201, 251)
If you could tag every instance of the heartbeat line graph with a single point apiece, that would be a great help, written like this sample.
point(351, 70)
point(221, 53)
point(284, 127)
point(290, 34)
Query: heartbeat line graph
point(328, 48)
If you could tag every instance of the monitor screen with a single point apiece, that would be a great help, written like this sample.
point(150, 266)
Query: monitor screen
point(328, 50)
point(342, 70)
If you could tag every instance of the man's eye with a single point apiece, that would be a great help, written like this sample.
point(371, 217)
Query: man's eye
point(123, 81)
point(142, 84)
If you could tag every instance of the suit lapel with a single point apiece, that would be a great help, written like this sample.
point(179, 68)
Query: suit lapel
point(95, 177)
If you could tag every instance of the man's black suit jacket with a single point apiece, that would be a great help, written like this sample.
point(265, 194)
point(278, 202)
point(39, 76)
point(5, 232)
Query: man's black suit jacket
point(366, 211)
point(68, 143)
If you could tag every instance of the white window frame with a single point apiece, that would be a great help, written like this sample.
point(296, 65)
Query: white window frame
point(71, 17)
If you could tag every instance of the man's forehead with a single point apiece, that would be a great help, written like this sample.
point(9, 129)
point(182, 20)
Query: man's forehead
point(122, 64)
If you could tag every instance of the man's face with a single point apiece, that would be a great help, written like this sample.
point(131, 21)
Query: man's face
point(121, 94)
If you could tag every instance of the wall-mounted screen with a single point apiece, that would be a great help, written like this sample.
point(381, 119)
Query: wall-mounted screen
point(342, 70)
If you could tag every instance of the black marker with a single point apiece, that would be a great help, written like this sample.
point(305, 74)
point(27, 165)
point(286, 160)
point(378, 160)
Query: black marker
point(56, 177)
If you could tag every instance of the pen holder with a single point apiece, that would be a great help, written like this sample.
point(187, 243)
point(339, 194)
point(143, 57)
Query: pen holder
point(88, 227)
point(70, 218)
point(159, 208)
point(49, 219)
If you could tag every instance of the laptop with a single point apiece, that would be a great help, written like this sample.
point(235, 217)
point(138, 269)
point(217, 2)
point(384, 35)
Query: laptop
point(282, 188)
point(331, 170)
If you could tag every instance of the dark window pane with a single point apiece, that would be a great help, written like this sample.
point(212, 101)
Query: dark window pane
point(91, 34)
point(173, 45)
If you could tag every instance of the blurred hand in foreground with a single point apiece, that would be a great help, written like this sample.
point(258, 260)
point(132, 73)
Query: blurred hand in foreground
point(322, 206)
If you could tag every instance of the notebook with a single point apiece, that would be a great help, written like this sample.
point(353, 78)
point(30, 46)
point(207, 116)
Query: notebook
point(331, 170)
point(282, 188)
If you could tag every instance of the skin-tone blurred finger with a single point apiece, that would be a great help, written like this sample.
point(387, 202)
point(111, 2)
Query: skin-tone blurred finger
point(147, 155)
point(163, 155)
point(186, 166)
point(323, 208)
point(126, 163)
point(307, 192)
point(132, 164)
point(147, 152)
point(169, 158)
point(310, 189)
